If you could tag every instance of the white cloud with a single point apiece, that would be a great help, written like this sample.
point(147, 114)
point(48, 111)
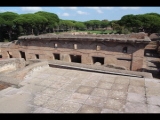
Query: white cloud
point(70, 8)
point(2, 11)
point(82, 13)
point(31, 9)
point(107, 8)
point(95, 8)
point(99, 11)
point(65, 14)
point(132, 8)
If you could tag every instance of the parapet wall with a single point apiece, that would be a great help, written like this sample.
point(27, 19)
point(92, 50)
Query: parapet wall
point(134, 37)
point(139, 35)
point(11, 64)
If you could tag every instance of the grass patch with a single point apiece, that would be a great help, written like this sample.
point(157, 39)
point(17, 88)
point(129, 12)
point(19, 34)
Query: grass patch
point(92, 31)
point(98, 31)
point(6, 40)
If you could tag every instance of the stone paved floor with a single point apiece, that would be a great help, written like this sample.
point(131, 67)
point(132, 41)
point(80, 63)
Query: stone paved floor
point(55, 90)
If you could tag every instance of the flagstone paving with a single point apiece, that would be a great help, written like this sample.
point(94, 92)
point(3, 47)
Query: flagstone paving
point(55, 90)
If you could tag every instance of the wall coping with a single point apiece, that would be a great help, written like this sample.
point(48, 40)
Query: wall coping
point(110, 38)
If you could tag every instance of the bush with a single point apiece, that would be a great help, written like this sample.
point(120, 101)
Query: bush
point(6, 40)
point(89, 33)
point(125, 31)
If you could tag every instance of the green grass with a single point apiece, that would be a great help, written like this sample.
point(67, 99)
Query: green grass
point(93, 31)
point(6, 40)
point(98, 31)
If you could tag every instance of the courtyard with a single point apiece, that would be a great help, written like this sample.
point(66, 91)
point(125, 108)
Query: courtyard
point(57, 90)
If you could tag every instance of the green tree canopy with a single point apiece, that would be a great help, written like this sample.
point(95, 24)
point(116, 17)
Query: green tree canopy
point(52, 19)
point(80, 26)
point(149, 22)
point(104, 23)
point(7, 19)
point(30, 21)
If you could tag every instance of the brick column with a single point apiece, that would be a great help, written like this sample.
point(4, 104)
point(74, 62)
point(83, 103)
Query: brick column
point(137, 60)
point(65, 57)
point(86, 59)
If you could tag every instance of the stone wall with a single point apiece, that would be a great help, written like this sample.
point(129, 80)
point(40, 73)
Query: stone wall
point(11, 64)
point(111, 52)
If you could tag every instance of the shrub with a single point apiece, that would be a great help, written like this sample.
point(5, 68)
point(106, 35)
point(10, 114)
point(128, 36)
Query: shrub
point(6, 40)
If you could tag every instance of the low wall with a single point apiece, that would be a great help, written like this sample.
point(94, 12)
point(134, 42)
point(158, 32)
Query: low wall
point(16, 76)
point(11, 64)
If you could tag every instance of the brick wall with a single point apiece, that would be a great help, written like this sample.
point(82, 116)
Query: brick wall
point(112, 52)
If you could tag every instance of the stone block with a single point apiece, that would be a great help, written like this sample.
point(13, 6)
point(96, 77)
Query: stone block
point(69, 107)
point(105, 85)
point(122, 80)
point(53, 103)
point(153, 100)
point(134, 97)
point(113, 104)
point(78, 97)
point(135, 107)
point(118, 95)
point(89, 109)
point(136, 89)
point(153, 109)
point(100, 92)
point(62, 94)
point(95, 101)
point(140, 83)
point(84, 89)
point(120, 87)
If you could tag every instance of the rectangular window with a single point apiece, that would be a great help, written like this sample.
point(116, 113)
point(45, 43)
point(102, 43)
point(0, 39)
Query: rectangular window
point(37, 56)
point(75, 58)
point(97, 60)
point(56, 56)
point(124, 50)
point(22, 54)
point(9, 54)
point(75, 46)
point(55, 45)
point(98, 47)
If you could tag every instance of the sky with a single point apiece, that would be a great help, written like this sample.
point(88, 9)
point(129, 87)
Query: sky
point(85, 13)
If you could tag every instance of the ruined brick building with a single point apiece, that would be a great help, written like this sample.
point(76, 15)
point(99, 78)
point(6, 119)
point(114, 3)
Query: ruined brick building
point(123, 51)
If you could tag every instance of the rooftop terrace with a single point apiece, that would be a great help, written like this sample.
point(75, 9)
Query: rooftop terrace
point(55, 90)
point(134, 37)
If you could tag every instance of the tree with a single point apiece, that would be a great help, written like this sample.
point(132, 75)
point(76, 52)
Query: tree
point(96, 24)
point(80, 26)
point(8, 25)
point(52, 20)
point(1, 28)
point(30, 23)
point(131, 21)
point(149, 22)
point(69, 24)
point(104, 23)
point(62, 25)
point(89, 24)
point(66, 25)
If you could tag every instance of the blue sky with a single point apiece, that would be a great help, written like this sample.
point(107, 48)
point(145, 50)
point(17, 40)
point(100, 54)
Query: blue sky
point(85, 13)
